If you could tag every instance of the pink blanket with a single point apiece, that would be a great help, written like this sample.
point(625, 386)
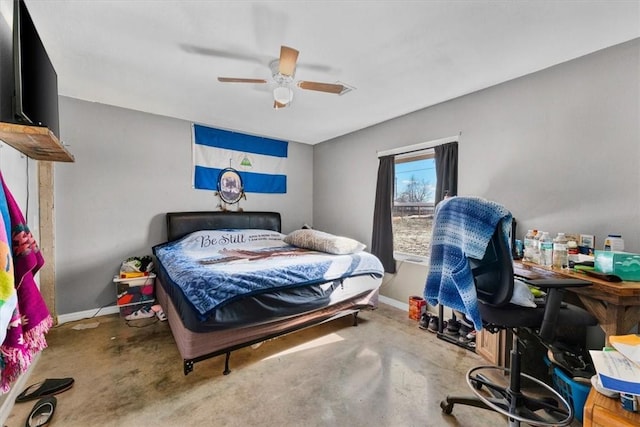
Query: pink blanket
point(31, 319)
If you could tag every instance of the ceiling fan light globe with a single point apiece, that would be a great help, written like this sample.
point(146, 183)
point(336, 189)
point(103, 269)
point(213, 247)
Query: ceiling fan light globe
point(283, 95)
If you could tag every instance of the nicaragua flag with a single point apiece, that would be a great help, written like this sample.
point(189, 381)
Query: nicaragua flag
point(261, 162)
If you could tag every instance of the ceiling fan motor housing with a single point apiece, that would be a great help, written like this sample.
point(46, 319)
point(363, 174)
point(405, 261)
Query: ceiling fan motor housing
point(281, 79)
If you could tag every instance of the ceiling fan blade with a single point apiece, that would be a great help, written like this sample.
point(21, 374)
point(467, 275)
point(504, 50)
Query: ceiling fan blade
point(278, 105)
point(288, 58)
point(321, 87)
point(238, 80)
point(233, 52)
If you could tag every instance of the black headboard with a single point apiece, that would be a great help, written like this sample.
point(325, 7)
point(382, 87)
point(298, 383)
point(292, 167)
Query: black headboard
point(179, 224)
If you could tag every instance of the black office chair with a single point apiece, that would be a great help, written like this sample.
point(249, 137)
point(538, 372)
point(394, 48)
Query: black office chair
point(494, 281)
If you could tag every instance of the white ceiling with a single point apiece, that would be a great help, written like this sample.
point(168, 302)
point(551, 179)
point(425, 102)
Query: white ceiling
point(163, 56)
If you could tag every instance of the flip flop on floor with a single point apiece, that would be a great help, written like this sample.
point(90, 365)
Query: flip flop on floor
point(143, 313)
point(159, 312)
point(47, 387)
point(42, 412)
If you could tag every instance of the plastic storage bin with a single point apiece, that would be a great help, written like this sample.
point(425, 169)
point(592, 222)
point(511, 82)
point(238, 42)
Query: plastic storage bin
point(574, 392)
point(134, 293)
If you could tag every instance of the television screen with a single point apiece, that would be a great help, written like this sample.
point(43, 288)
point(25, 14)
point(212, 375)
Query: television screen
point(36, 88)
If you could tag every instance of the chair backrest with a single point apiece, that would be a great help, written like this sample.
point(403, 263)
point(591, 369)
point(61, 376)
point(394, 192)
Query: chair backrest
point(493, 274)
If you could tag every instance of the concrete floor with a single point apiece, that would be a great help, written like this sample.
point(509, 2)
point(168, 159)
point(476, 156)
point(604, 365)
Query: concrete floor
point(385, 372)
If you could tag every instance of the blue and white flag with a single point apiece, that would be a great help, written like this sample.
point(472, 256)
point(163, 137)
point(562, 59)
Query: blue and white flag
point(261, 162)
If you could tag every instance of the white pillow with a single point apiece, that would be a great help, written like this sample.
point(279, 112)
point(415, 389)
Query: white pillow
point(522, 294)
point(323, 242)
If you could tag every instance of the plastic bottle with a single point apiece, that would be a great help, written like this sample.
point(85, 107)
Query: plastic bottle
point(528, 245)
point(560, 254)
point(546, 250)
point(536, 247)
point(614, 242)
point(573, 251)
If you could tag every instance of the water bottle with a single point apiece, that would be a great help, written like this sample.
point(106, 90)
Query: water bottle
point(536, 247)
point(573, 251)
point(546, 250)
point(614, 242)
point(528, 245)
point(560, 253)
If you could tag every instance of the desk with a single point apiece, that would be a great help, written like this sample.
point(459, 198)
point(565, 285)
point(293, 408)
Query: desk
point(615, 305)
point(603, 411)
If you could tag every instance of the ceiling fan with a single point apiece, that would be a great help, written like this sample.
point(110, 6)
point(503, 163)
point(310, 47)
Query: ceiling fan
point(283, 71)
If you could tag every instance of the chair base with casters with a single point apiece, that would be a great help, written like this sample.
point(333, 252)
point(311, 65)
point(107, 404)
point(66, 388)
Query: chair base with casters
point(512, 401)
point(518, 405)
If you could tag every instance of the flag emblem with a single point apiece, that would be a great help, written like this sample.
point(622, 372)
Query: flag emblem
point(261, 162)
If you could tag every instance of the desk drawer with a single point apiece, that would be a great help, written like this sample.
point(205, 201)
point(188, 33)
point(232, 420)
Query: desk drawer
point(603, 417)
point(602, 411)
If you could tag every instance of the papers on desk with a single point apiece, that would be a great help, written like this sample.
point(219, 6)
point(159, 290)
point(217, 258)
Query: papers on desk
point(616, 372)
point(585, 258)
point(628, 345)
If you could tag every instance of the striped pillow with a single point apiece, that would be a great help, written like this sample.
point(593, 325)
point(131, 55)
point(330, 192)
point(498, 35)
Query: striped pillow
point(323, 242)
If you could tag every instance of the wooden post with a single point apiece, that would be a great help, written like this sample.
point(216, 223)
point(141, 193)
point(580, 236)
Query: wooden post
point(47, 236)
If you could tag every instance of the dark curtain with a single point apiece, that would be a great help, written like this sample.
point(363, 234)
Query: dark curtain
point(446, 170)
point(382, 236)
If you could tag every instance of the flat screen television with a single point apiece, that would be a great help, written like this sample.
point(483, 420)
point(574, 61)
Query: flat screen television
point(36, 81)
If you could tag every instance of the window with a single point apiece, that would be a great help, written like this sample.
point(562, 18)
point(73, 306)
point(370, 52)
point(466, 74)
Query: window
point(405, 200)
point(413, 203)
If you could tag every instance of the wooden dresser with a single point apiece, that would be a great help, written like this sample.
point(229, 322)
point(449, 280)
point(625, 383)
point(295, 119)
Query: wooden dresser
point(603, 411)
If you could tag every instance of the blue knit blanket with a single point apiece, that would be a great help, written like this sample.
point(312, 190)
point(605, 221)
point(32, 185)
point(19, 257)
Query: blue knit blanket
point(462, 227)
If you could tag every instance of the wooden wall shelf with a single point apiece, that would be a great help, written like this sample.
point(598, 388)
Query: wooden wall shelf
point(36, 142)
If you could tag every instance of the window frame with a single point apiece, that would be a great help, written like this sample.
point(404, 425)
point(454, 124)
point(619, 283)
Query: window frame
point(407, 152)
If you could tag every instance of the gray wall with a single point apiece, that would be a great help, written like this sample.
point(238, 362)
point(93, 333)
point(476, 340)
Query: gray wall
point(560, 148)
point(130, 169)
point(20, 173)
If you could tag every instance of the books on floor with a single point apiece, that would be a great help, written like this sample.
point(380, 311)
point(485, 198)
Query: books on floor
point(619, 367)
point(628, 345)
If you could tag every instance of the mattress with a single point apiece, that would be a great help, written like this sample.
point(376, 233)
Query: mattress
point(252, 315)
point(194, 346)
point(218, 279)
point(267, 307)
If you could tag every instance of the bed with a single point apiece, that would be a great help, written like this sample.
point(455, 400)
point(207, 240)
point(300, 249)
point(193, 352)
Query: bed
point(205, 324)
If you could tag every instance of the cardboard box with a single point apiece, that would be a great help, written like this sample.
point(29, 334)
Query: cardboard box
point(625, 265)
point(415, 307)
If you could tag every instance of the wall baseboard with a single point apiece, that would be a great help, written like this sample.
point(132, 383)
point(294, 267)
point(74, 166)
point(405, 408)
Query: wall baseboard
point(87, 314)
point(394, 303)
point(405, 306)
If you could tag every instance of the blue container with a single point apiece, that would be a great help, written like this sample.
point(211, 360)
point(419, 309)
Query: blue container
point(574, 392)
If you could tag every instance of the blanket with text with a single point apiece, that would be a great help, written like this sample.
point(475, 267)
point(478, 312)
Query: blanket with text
point(215, 267)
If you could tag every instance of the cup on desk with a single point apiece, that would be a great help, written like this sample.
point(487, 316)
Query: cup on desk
point(519, 249)
point(630, 402)
point(585, 250)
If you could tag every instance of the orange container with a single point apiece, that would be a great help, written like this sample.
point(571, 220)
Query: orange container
point(415, 306)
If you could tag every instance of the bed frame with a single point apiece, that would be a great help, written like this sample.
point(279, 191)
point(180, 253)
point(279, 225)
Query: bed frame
point(197, 346)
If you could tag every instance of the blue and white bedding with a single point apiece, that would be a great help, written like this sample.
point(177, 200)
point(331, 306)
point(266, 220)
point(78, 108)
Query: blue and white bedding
point(214, 267)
